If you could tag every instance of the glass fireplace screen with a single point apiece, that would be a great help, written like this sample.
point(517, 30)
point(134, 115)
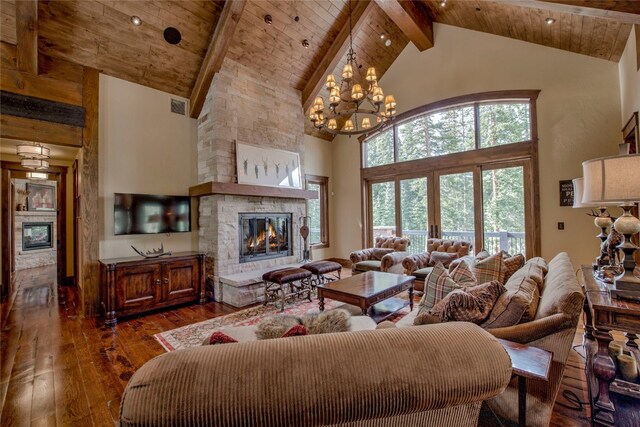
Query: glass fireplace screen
point(264, 236)
point(36, 235)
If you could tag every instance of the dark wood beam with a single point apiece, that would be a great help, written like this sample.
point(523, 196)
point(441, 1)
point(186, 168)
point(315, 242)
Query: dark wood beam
point(13, 127)
point(220, 41)
point(627, 11)
point(27, 35)
point(337, 50)
point(29, 107)
point(413, 19)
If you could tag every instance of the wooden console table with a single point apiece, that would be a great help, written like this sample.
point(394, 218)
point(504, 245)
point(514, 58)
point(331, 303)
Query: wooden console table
point(136, 285)
point(612, 402)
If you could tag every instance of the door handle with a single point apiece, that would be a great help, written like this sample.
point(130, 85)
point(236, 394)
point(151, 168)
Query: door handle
point(431, 231)
point(166, 280)
point(437, 231)
point(157, 281)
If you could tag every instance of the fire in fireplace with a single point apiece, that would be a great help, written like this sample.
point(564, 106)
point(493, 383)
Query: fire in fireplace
point(264, 235)
point(36, 235)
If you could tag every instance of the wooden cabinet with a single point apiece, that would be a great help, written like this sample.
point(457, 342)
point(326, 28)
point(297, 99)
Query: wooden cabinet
point(136, 285)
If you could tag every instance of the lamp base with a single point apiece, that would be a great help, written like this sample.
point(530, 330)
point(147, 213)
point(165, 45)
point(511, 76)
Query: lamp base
point(627, 285)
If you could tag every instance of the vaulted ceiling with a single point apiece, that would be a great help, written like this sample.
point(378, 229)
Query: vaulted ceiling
point(99, 34)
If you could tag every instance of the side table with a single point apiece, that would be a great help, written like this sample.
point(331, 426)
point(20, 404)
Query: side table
point(604, 314)
point(526, 362)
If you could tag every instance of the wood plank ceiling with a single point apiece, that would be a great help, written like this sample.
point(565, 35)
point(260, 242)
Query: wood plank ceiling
point(99, 34)
point(587, 35)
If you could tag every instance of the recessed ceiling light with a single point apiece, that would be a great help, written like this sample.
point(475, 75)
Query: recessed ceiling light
point(443, 3)
point(382, 36)
point(268, 19)
point(135, 20)
point(387, 43)
point(549, 21)
point(305, 43)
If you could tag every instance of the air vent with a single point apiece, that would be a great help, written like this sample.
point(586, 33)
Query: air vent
point(178, 107)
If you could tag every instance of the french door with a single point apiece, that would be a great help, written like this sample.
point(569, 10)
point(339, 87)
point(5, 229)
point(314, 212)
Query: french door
point(490, 206)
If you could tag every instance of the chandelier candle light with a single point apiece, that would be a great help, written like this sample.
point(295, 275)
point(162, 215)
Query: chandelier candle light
point(617, 180)
point(360, 101)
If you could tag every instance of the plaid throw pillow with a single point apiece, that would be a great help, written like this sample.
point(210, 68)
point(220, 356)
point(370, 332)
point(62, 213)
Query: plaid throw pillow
point(463, 275)
point(490, 269)
point(471, 304)
point(512, 264)
point(437, 285)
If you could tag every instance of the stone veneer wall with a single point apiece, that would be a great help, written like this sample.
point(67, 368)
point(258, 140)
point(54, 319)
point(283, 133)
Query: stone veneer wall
point(244, 106)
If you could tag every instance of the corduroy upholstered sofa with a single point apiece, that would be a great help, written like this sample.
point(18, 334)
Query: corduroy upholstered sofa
point(420, 265)
point(552, 328)
point(436, 375)
point(386, 255)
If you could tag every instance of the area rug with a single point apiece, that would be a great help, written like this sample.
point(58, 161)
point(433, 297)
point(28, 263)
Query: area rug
point(193, 335)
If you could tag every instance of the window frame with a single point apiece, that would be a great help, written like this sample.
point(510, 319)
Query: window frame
point(323, 197)
point(522, 153)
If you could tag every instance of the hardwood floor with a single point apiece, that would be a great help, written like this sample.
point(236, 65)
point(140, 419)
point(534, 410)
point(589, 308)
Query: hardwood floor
point(60, 369)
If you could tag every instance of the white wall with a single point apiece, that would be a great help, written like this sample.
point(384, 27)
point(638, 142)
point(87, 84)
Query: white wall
point(578, 119)
point(629, 80)
point(317, 155)
point(144, 148)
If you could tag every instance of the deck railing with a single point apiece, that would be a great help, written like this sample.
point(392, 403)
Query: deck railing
point(512, 242)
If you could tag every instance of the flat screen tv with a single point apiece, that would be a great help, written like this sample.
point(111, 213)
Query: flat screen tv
point(151, 214)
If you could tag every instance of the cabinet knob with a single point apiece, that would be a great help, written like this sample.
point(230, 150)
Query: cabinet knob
point(166, 280)
point(157, 281)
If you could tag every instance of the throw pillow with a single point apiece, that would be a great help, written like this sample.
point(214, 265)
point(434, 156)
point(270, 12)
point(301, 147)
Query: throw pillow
point(519, 303)
point(425, 318)
point(275, 326)
point(219, 338)
point(482, 255)
point(437, 285)
point(295, 331)
point(469, 259)
point(490, 269)
point(463, 275)
point(512, 264)
point(445, 258)
point(327, 322)
point(470, 304)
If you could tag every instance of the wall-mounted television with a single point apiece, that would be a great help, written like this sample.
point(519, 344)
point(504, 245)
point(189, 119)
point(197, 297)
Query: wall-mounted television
point(151, 214)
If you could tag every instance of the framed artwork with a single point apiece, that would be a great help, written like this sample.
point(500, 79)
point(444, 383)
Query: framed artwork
point(566, 192)
point(41, 197)
point(630, 136)
point(267, 166)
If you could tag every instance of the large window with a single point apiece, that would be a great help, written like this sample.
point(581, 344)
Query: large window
point(318, 211)
point(459, 169)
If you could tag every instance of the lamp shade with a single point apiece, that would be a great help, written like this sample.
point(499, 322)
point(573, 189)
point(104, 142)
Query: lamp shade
point(611, 180)
point(578, 189)
point(32, 151)
point(37, 175)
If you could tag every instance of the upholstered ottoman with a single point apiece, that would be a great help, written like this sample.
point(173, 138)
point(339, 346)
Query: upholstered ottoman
point(276, 282)
point(324, 272)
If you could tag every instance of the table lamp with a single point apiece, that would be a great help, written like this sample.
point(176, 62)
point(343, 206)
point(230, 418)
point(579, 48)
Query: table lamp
point(617, 180)
point(603, 220)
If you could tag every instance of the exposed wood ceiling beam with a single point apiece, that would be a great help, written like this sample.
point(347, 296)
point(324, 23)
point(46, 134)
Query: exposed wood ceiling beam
point(412, 18)
point(220, 41)
point(27, 35)
point(338, 48)
point(627, 12)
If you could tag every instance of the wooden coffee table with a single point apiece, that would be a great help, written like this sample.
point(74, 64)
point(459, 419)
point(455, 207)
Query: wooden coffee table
point(374, 292)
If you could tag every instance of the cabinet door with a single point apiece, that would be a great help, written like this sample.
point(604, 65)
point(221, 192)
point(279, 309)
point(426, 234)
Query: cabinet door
point(137, 286)
point(180, 279)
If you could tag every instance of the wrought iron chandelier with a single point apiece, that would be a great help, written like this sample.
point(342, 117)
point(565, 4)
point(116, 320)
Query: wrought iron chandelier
point(360, 101)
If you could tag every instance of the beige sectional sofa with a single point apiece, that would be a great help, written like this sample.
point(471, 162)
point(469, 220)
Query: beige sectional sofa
point(435, 375)
point(551, 328)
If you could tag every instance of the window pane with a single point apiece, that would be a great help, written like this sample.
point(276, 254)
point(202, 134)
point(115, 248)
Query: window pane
point(412, 139)
point(503, 206)
point(504, 123)
point(450, 131)
point(457, 207)
point(383, 205)
point(314, 215)
point(380, 149)
point(413, 206)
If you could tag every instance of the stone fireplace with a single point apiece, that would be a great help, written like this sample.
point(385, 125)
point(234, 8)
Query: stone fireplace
point(264, 236)
point(245, 106)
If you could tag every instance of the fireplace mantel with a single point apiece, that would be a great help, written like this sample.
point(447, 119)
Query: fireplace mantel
point(211, 188)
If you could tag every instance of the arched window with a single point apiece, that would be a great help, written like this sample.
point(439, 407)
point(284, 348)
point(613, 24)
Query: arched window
point(462, 168)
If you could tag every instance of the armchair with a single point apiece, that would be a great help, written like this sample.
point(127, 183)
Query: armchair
point(386, 255)
point(420, 265)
